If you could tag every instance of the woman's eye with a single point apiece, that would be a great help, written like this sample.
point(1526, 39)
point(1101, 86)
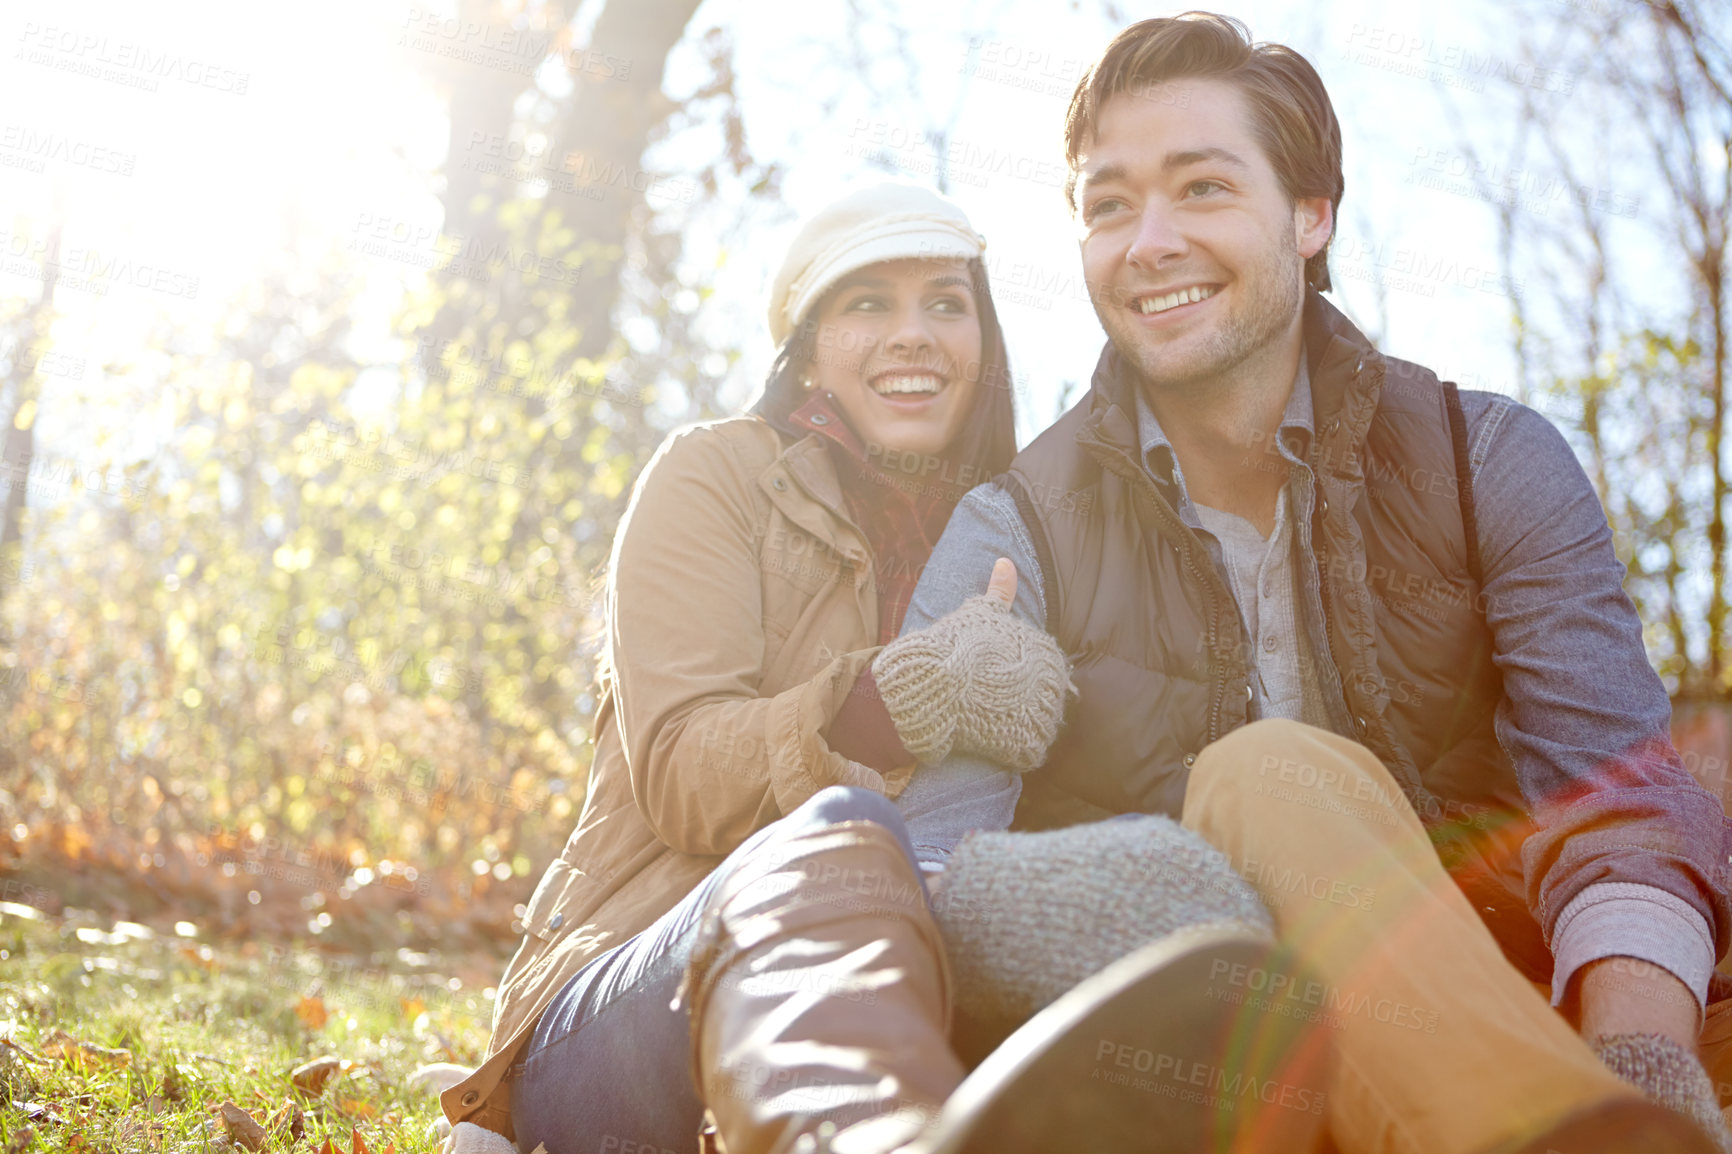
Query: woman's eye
point(866, 304)
point(950, 305)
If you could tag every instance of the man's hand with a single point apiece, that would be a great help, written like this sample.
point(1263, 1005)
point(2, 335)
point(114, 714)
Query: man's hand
point(1630, 996)
point(978, 681)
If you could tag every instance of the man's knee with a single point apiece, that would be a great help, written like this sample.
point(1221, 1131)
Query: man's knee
point(1251, 751)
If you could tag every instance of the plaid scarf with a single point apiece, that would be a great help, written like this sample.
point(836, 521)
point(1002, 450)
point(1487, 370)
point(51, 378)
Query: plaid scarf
point(901, 516)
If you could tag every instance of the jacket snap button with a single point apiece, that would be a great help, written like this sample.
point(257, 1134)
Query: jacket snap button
point(778, 484)
point(471, 1097)
point(1323, 506)
point(820, 419)
point(555, 921)
point(1248, 695)
point(1359, 724)
point(1190, 760)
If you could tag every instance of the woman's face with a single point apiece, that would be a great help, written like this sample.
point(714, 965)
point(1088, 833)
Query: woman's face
point(899, 346)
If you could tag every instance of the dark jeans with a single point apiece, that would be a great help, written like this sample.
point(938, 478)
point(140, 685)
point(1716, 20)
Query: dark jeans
point(609, 1069)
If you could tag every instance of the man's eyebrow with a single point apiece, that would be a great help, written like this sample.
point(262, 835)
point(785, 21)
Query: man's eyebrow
point(1102, 175)
point(1107, 173)
point(1176, 160)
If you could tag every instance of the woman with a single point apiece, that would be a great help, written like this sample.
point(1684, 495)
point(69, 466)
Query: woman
point(762, 562)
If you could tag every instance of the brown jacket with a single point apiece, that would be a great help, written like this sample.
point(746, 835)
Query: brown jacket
point(741, 607)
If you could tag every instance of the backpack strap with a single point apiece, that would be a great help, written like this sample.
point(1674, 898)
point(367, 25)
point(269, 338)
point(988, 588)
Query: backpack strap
point(1463, 479)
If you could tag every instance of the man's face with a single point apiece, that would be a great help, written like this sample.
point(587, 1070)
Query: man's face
point(1194, 256)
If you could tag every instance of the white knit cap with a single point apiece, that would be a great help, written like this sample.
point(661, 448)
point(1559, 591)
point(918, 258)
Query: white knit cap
point(889, 221)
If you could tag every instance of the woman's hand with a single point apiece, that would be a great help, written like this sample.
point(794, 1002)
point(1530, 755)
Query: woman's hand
point(977, 681)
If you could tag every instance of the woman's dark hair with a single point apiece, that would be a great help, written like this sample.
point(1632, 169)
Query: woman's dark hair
point(988, 440)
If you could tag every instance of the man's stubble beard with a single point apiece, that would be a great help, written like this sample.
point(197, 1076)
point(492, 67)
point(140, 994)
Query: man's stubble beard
point(1231, 352)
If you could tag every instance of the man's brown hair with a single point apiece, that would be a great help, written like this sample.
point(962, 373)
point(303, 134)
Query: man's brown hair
point(1290, 111)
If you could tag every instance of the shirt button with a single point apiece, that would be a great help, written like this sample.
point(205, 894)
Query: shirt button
point(1191, 759)
point(472, 1097)
point(1269, 643)
point(1248, 694)
point(555, 921)
point(779, 484)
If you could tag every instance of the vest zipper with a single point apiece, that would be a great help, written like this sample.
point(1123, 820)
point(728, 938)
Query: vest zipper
point(1183, 539)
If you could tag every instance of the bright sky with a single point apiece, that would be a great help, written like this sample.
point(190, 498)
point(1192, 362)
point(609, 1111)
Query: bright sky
point(190, 144)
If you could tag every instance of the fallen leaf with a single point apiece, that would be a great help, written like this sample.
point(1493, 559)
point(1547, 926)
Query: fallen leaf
point(20, 1140)
point(327, 1148)
point(357, 1108)
point(357, 1144)
point(310, 1077)
point(289, 1119)
point(78, 1052)
point(312, 1013)
point(413, 1008)
point(242, 1127)
point(19, 1050)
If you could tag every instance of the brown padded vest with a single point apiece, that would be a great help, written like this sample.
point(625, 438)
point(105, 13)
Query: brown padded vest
point(1156, 637)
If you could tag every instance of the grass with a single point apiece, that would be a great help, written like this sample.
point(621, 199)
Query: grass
point(123, 1038)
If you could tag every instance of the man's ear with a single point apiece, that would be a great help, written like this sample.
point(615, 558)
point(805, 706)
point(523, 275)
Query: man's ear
point(1313, 225)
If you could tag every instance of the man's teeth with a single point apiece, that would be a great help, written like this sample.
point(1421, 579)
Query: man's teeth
point(1173, 300)
point(920, 383)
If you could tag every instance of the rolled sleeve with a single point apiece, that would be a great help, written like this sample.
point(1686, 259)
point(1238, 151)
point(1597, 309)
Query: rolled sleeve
point(1614, 919)
point(1584, 717)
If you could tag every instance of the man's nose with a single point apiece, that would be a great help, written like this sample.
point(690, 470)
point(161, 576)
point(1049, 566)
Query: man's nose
point(1158, 239)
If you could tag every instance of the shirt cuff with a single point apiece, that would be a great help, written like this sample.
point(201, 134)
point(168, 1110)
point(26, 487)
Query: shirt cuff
point(1630, 920)
point(862, 730)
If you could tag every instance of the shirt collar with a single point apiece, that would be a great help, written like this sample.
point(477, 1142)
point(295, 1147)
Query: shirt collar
point(1158, 456)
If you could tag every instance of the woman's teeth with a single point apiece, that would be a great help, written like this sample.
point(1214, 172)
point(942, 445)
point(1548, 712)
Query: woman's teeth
point(920, 383)
point(1173, 300)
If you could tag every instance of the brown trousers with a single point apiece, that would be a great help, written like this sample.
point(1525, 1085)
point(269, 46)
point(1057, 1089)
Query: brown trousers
point(1442, 1047)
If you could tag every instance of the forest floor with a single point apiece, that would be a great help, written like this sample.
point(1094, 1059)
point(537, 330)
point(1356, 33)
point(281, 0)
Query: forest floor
point(124, 1037)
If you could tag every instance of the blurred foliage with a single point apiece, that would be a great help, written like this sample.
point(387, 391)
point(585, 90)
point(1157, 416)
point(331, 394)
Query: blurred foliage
point(340, 624)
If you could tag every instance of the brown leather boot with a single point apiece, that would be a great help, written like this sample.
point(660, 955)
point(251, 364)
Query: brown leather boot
point(819, 994)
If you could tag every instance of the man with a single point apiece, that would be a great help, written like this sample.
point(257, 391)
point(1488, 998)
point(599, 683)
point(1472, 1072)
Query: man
point(1313, 598)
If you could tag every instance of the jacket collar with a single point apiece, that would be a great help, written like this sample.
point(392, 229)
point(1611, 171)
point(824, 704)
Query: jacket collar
point(810, 495)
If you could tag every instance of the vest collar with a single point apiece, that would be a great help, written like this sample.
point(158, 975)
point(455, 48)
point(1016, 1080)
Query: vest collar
point(1346, 373)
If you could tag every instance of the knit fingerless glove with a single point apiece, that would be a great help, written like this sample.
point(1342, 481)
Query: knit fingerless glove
point(978, 681)
point(1668, 1074)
